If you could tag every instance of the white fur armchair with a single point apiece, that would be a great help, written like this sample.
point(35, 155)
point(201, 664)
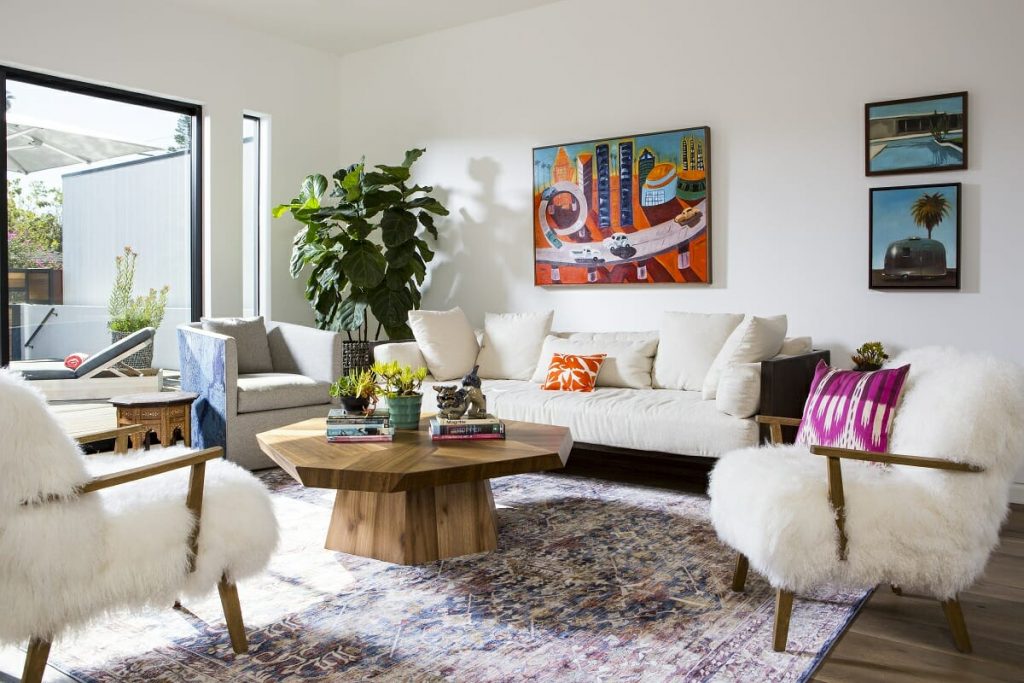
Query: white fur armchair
point(925, 523)
point(80, 536)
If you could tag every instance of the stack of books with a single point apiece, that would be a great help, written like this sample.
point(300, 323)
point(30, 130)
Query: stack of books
point(488, 427)
point(345, 427)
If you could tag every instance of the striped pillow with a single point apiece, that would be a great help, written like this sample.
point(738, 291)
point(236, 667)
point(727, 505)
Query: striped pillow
point(851, 409)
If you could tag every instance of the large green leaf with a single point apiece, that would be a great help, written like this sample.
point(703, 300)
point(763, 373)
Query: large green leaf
point(378, 179)
point(399, 256)
point(425, 251)
point(352, 182)
point(402, 331)
point(374, 201)
point(364, 264)
point(351, 313)
point(411, 156)
point(313, 187)
point(390, 307)
point(397, 173)
point(397, 278)
point(429, 204)
point(397, 227)
point(428, 222)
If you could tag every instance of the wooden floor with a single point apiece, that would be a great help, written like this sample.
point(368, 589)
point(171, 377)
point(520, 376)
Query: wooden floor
point(905, 638)
point(893, 639)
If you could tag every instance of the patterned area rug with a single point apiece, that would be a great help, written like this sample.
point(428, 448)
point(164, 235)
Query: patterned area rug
point(592, 581)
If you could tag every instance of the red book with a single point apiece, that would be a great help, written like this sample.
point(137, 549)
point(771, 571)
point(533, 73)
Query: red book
point(465, 437)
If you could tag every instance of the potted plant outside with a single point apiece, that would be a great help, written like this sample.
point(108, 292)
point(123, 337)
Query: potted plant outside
point(366, 253)
point(129, 313)
point(401, 384)
point(357, 391)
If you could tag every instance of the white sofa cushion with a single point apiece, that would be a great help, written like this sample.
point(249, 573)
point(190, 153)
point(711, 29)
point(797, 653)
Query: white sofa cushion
point(446, 340)
point(666, 421)
point(688, 344)
point(512, 343)
point(754, 340)
point(406, 353)
point(278, 390)
point(627, 364)
point(739, 390)
point(794, 346)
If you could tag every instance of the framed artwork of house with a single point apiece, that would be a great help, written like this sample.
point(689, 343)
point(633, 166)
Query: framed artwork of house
point(914, 237)
point(916, 135)
point(627, 210)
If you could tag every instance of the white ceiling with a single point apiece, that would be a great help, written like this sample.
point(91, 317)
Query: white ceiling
point(343, 26)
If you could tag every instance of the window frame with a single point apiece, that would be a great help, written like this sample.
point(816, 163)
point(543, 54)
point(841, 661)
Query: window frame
point(257, 237)
point(195, 111)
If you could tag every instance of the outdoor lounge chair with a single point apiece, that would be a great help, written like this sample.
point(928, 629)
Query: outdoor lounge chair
point(98, 377)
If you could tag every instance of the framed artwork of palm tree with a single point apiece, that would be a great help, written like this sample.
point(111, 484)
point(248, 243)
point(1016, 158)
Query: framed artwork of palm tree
point(914, 237)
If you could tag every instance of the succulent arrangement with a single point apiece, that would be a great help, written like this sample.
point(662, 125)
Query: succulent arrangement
point(357, 390)
point(397, 380)
point(870, 356)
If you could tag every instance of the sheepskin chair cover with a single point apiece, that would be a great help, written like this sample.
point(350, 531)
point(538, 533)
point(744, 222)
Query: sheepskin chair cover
point(67, 558)
point(926, 530)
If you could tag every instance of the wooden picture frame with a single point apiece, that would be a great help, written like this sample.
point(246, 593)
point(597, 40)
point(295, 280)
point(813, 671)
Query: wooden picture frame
point(916, 135)
point(901, 258)
point(634, 209)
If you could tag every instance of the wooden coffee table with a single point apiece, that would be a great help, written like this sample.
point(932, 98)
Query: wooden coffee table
point(412, 500)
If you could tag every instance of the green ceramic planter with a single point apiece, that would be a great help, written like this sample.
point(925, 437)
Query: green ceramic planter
point(405, 411)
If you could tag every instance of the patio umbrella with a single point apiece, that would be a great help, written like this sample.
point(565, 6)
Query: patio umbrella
point(32, 147)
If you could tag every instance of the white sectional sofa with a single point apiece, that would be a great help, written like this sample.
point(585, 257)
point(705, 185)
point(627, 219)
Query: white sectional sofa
point(643, 413)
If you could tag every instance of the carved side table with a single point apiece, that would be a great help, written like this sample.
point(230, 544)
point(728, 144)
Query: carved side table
point(167, 413)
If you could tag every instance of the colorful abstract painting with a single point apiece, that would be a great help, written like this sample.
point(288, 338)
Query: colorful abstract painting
point(914, 237)
point(627, 210)
point(916, 135)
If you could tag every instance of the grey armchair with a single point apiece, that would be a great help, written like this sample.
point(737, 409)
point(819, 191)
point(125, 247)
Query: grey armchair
point(232, 407)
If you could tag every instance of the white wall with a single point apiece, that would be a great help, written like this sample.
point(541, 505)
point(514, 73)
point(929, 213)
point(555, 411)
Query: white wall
point(150, 47)
point(782, 86)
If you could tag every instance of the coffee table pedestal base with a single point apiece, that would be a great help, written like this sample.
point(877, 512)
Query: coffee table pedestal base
point(415, 527)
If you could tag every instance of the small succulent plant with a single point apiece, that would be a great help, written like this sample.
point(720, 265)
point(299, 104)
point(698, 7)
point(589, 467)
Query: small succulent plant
point(870, 356)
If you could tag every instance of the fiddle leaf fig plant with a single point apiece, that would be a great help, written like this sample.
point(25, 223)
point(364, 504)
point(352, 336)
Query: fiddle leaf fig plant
point(365, 251)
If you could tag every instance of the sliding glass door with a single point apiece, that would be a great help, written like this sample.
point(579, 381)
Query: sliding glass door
point(101, 218)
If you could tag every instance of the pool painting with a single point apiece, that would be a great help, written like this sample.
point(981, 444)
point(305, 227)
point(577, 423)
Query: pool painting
point(629, 210)
point(914, 237)
point(916, 135)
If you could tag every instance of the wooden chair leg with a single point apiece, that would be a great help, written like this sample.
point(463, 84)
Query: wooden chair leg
point(35, 660)
point(783, 611)
point(739, 577)
point(233, 615)
point(955, 617)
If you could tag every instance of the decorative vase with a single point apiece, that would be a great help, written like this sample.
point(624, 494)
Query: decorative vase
point(354, 404)
point(140, 360)
point(405, 411)
point(355, 355)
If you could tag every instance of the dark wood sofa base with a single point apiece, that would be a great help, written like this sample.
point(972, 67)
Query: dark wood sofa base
point(785, 383)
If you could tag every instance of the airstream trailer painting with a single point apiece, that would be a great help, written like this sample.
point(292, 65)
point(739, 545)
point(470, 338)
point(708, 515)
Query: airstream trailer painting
point(914, 237)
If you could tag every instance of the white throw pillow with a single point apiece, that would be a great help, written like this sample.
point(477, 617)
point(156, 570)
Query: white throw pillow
point(756, 339)
point(794, 346)
point(406, 353)
point(511, 344)
point(627, 364)
point(739, 390)
point(446, 340)
point(688, 344)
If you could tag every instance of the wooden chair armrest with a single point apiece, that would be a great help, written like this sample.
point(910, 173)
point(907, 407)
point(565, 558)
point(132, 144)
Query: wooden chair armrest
point(772, 419)
point(119, 435)
point(893, 459)
point(106, 481)
point(775, 425)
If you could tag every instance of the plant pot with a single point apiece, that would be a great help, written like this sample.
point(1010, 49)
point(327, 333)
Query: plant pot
point(405, 411)
point(354, 404)
point(867, 367)
point(356, 355)
point(140, 360)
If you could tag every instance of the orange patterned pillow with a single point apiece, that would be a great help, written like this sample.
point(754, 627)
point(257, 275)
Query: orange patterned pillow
point(573, 373)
